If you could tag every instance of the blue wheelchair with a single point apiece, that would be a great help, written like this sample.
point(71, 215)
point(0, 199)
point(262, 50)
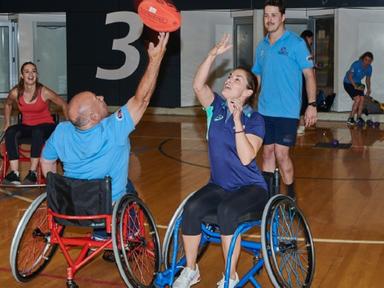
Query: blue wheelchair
point(286, 248)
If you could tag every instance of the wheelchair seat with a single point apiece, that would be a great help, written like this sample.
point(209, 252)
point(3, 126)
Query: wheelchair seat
point(251, 216)
point(77, 197)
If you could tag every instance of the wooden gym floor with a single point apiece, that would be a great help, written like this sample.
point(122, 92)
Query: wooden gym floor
point(341, 192)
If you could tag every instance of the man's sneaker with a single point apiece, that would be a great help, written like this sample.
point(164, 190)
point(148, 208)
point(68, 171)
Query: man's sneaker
point(109, 256)
point(232, 283)
point(351, 121)
point(301, 130)
point(360, 122)
point(12, 178)
point(187, 278)
point(100, 234)
point(31, 178)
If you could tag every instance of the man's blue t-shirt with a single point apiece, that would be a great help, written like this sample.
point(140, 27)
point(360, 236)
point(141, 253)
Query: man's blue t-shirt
point(227, 170)
point(280, 67)
point(358, 72)
point(100, 151)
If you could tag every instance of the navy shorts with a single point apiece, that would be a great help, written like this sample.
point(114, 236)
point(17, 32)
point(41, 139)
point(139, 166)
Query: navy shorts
point(352, 91)
point(280, 130)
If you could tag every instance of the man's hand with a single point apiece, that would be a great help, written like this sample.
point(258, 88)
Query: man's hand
point(156, 53)
point(310, 116)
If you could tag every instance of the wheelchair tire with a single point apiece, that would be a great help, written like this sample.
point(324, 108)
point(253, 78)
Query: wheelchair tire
point(31, 250)
point(168, 238)
point(136, 243)
point(287, 244)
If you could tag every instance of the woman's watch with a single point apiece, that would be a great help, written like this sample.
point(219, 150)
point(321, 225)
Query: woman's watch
point(313, 104)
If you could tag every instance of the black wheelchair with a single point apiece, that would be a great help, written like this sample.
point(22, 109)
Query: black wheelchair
point(86, 203)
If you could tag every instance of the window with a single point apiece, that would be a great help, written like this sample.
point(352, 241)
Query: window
point(8, 65)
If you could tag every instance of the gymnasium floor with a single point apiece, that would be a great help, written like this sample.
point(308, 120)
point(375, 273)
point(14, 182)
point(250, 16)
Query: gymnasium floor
point(339, 190)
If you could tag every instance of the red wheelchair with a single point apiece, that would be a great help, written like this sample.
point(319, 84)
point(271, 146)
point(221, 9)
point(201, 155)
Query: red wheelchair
point(24, 153)
point(134, 237)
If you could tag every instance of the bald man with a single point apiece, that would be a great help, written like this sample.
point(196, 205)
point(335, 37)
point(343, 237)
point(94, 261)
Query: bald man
point(92, 145)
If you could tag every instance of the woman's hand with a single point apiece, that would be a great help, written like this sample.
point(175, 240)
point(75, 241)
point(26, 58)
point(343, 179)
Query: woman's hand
point(5, 127)
point(236, 108)
point(221, 47)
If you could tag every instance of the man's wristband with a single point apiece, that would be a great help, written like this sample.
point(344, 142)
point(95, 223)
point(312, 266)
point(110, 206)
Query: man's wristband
point(241, 131)
point(313, 104)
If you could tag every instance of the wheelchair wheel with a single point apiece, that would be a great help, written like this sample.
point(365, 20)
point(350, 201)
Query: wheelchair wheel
point(31, 250)
point(136, 243)
point(287, 244)
point(169, 238)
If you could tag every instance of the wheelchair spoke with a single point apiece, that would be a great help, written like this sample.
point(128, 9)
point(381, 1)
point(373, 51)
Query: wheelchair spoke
point(34, 247)
point(31, 248)
point(137, 244)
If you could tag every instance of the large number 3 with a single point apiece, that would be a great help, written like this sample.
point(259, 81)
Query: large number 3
point(132, 55)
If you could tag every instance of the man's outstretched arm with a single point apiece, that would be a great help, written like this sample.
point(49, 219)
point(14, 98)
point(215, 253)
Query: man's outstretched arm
point(139, 102)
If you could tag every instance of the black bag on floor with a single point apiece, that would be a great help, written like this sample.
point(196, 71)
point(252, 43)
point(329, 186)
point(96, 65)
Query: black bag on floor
point(372, 106)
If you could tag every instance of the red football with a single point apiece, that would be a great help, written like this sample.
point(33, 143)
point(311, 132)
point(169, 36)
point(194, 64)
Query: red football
point(159, 15)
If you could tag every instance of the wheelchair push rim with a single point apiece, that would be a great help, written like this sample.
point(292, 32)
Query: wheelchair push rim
point(31, 249)
point(287, 244)
point(136, 243)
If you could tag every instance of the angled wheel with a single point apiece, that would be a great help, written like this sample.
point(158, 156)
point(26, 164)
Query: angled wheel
point(31, 249)
point(168, 245)
point(136, 243)
point(287, 244)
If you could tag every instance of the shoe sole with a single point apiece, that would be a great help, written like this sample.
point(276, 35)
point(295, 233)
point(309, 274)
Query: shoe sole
point(193, 282)
point(11, 183)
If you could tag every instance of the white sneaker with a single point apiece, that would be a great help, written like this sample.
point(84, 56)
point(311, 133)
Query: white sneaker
point(232, 283)
point(301, 130)
point(187, 278)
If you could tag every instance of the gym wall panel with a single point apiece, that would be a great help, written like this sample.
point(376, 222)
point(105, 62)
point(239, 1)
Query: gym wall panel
point(89, 46)
point(200, 31)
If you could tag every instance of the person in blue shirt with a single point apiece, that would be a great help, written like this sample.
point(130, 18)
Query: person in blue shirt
point(236, 185)
point(92, 145)
point(352, 84)
point(281, 59)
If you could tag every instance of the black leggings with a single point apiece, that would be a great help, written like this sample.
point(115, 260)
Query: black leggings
point(228, 206)
point(39, 134)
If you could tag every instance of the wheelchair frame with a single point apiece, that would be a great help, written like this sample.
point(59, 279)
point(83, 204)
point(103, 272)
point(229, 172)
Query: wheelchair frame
point(134, 236)
point(23, 157)
point(279, 247)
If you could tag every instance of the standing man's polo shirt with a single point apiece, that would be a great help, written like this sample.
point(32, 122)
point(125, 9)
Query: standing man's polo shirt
point(280, 67)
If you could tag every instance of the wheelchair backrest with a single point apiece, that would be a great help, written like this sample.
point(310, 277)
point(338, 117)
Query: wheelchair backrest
point(78, 197)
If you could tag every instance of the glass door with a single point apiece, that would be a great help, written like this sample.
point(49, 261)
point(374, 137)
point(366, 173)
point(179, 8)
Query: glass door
point(243, 42)
point(50, 55)
point(324, 52)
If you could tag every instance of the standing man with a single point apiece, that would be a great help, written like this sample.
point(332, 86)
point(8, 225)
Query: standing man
point(281, 59)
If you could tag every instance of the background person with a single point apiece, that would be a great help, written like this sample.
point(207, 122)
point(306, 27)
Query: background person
point(32, 99)
point(307, 35)
point(236, 185)
point(352, 84)
point(281, 59)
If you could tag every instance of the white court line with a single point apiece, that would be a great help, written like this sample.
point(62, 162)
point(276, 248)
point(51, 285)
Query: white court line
point(16, 196)
point(318, 240)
